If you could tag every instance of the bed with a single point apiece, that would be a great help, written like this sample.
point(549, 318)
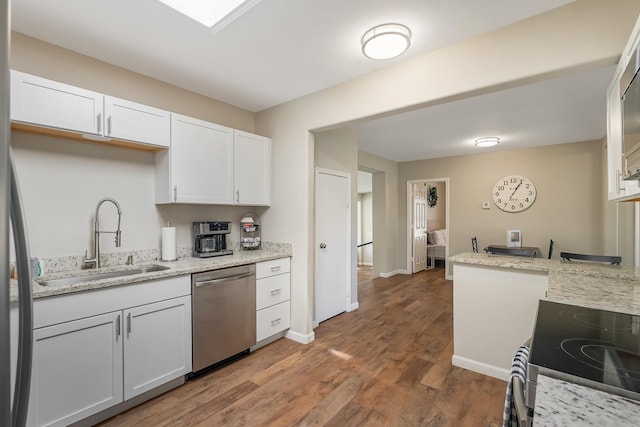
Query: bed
point(436, 239)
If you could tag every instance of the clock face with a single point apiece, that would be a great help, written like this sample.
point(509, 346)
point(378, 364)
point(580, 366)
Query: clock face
point(514, 193)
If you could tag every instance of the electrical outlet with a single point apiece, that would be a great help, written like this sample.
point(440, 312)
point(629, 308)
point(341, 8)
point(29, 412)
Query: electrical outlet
point(485, 205)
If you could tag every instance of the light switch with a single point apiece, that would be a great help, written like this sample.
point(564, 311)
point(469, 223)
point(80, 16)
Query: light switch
point(485, 205)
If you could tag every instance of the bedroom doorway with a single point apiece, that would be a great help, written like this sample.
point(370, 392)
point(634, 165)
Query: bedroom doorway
point(428, 224)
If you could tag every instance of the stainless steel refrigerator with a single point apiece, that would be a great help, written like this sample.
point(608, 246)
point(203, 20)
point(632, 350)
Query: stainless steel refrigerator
point(14, 401)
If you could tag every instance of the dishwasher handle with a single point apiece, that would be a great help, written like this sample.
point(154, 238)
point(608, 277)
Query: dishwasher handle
point(223, 279)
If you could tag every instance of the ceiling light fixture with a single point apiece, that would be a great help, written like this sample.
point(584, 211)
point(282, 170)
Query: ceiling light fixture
point(488, 141)
point(386, 41)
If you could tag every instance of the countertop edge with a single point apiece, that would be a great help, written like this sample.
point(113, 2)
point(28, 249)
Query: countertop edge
point(180, 267)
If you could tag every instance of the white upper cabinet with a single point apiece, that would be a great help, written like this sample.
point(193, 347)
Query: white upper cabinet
point(213, 164)
point(252, 169)
point(617, 188)
point(198, 166)
point(136, 122)
point(43, 102)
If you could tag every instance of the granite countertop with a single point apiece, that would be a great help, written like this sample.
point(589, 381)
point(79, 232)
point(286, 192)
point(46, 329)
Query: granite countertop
point(548, 265)
point(183, 266)
point(560, 403)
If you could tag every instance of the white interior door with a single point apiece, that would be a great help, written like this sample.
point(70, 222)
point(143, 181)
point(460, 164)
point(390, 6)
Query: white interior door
point(333, 219)
point(419, 227)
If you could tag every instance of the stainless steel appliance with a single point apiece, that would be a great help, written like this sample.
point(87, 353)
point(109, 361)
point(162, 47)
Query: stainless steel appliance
point(14, 403)
point(224, 314)
point(630, 95)
point(594, 348)
point(210, 238)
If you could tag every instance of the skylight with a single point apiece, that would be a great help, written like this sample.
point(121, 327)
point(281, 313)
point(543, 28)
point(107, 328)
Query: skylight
point(211, 13)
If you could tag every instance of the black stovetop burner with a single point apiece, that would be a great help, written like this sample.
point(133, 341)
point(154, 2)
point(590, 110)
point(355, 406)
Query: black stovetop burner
point(597, 348)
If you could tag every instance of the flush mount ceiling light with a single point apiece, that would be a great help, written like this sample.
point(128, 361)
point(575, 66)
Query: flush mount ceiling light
point(215, 16)
point(488, 141)
point(386, 41)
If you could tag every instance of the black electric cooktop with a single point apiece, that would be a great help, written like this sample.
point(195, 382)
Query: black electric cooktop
point(596, 348)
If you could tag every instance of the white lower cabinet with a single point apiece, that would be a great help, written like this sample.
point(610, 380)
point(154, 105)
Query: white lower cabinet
point(157, 344)
point(273, 290)
point(77, 369)
point(84, 364)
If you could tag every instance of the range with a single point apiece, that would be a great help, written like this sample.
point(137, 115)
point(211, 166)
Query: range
point(591, 347)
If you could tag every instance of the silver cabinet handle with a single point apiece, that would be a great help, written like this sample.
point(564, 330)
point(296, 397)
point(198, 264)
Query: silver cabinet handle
point(323, 245)
point(237, 196)
point(118, 326)
point(276, 291)
point(109, 125)
point(99, 122)
point(175, 193)
point(276, 268)
point(129, 323)
point(275, 321)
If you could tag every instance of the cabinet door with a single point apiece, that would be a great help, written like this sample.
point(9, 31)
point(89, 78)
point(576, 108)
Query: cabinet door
point(43, 102)
point(201, 161)
point(271, 320)
point(615, 183)
point(136, 122)
point(77, 370)
point(157, 345)
point(252, 169)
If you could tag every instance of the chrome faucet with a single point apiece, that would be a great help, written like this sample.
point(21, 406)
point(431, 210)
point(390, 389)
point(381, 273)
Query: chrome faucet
point(95, 260)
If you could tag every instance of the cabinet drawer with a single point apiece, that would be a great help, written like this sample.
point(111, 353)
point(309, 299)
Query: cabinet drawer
point(273, 267)
point(272, 290)
point(271, 320)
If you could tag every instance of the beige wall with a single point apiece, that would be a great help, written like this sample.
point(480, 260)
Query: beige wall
point(568, 206)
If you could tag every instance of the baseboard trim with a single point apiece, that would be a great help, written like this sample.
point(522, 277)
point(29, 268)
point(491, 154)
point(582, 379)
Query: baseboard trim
point(301, 338)
point(480, 367)
point(393, 273)
point(354, 306)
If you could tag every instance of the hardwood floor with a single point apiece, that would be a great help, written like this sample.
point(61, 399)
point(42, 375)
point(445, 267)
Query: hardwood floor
point(386, 364)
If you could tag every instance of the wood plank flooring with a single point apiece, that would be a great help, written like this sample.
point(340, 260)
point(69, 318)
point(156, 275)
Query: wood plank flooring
point(386, 364)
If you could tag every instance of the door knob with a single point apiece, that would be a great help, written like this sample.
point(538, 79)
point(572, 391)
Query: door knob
point(322, 246)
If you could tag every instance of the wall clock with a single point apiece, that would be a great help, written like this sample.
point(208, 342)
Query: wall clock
point(514, 193)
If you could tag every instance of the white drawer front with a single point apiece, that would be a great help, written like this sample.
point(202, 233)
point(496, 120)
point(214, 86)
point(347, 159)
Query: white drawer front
point(271, 320)
point(273, 267)
point(272, 290)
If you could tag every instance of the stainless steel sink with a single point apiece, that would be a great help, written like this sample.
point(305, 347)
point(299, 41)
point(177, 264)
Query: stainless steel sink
point(64, 281)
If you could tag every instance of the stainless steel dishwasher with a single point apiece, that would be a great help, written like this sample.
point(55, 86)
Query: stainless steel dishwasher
point(224, 314)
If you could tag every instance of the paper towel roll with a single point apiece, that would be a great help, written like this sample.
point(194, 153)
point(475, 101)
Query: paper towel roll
point(169, 243)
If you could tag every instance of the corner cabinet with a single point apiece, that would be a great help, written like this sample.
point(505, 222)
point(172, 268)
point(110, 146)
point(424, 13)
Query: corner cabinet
point(96, 349)
point(273, 293)
point(617, 188)
point(212, 164)
point(64, 110)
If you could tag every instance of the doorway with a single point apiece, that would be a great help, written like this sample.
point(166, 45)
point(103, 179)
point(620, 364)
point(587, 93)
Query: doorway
point(364, 232)
point(333, 243)
point(428, 233)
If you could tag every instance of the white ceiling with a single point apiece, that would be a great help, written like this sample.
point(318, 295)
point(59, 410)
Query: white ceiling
point(283, 49)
